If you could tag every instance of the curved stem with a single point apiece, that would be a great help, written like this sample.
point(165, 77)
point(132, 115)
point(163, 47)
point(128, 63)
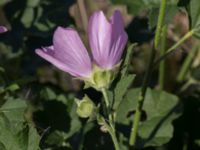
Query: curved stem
point(173, 48)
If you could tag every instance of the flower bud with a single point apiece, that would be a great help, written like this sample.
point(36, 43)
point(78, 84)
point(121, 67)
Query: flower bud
point(85, 107)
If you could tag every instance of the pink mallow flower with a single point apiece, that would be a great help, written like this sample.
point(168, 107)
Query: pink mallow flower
point(107, 39)
point(3, 29)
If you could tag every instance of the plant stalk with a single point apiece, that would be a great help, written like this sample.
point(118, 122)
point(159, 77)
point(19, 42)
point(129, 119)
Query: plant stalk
point(83, 13)
point(141, 99)
point(162, 52)
point(148, 73)
point(113, 136)
point(161, 18)
point(187, 63)
point(111, 126)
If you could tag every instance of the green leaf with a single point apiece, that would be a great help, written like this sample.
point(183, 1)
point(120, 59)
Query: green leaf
point(10, 134)
point(17, 136)
point(33, 139)
point(126, 62)
point(56, 138)
point(159, 107)
point(197, 142)
point(33, 3)
point(14, 109)
point(2, 70)
point(15, 133)
point(195, 73)
point(48, 94)
point(127, 106)
point(13, 87)
point(125, 80)
point(2, 2)
point(193, 9)
point(121, 88)
point(28, 17)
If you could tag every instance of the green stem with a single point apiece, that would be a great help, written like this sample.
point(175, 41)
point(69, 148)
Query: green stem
point(105, 97)
point(113, 136)
point(110, 117)
point(160, 22)
point(186, 65)
point(173, 48)
point(135, 126)
point(141, 99)
point(162, 51)
point(111, 126)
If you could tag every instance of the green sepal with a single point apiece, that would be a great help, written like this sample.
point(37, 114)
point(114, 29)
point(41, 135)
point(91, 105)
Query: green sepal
point(101, 78)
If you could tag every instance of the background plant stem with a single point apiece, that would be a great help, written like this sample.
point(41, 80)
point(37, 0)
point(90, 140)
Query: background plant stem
point(162, 51)
point(141, 98)
point(173, 48)
point(161, 18)
point(186, 65)
point(83, 13)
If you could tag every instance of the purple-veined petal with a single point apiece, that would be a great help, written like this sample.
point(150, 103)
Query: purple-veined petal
point(99, 38)
point(107, 39)
point(68, 53)
point(119, 38)
point(3, 29)
point(48, 54)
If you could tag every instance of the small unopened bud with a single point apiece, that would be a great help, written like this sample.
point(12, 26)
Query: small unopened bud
point(85, 107)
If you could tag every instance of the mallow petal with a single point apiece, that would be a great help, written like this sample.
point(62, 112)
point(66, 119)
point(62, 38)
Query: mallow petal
point(48, 53)
point(68, 53)
point(119, 38)
point(107, 39)
point(3, 29)
point(99, 38)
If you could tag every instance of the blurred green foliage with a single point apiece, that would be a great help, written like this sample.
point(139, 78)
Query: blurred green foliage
point(37, 108)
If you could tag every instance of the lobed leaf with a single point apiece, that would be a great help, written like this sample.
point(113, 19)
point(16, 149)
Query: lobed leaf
point(160, 109)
